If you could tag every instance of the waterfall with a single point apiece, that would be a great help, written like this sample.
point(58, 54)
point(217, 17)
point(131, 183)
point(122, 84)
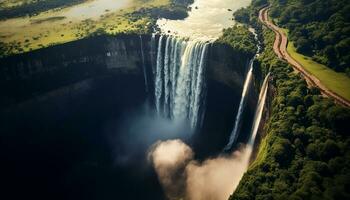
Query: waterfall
point(158, 80)
point(237, 124)
point(246, 86)
point(244, 157)
point(143, 65)
point(259, 110)
point(166, 76)
point(179, 82)
point(153, 52)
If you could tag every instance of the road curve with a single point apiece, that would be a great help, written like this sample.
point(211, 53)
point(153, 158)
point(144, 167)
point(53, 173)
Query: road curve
point(280, 49)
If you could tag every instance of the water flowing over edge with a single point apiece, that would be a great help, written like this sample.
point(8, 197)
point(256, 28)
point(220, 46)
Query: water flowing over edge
point(246, 86)
point(248, 150)
point(143, 64)
point(179, 82)
point(246, 153)
point(259, 110)
point(247, 82)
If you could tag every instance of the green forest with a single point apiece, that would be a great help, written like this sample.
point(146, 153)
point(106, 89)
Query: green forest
point(93, 93)
point(33, 8)
point(306, 149)
point(319, 28)
point(239, 38)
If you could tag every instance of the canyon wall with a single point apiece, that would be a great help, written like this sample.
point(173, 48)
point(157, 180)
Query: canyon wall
point(31, 74)
point(63, 106)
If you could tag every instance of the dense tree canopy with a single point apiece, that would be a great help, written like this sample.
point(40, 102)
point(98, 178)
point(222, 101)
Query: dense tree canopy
point(35, 7)
point(239, 38)
point(305, 153)
point(319, 28)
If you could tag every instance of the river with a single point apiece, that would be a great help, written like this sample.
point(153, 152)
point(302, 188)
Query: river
point(206, 19)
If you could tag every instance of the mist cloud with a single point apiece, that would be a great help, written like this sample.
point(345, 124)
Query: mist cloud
point(135, 131)
point(169, 159)
point(182, 176)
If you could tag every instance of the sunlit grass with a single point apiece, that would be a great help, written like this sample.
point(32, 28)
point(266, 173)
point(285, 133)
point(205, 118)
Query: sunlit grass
point(57, 30)
point(262, 152)
point(335, 81)
point(13, 3)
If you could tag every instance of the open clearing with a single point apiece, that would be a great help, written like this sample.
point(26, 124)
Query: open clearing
point(63, 25)
point(336, 81)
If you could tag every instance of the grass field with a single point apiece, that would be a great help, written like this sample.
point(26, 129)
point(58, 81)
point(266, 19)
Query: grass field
point(24, 34)
point(13, 3)
point(335, 81)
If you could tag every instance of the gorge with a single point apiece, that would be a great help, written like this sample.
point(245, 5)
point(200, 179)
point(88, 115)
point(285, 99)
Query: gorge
point(92, 109)
point(88, 92)
point(175, 99)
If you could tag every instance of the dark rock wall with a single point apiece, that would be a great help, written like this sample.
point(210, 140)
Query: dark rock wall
point(227, 66)
point(30, 74)
point(226, 71)
point(59, 104)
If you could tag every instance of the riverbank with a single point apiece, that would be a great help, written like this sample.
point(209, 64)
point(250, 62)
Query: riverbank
point(24, 34)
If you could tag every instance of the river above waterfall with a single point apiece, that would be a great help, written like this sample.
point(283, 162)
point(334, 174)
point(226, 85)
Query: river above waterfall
point(90, 10)
point(206, 19)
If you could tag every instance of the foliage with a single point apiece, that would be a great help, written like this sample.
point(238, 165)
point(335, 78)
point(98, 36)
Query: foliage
point(248, 15)
point(336, 81)
point(318, 28)
point(240, 38)
point(305, 153)
point(35, 7)
point(138, 18)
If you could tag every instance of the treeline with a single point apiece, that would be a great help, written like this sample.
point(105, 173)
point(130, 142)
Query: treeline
point(239, 38)
point(319, 28)
point(34, 8)
point(305, 153)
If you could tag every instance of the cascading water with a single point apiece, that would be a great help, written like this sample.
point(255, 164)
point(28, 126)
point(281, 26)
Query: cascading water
point(143, 64)
point(246, 86)
point(259, 110)
point(179, 82)
point(153, 53)
point(246, 152)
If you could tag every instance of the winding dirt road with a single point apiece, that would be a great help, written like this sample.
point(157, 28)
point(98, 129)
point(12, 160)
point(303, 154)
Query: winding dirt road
point(280, 49)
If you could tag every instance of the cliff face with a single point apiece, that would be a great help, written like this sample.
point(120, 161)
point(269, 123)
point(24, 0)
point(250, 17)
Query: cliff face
point(67, 74)
point(63, 106)
point(227, 66)
point(30, 74)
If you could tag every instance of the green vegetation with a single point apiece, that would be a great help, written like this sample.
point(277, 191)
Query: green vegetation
point(13, 3)
point(248, 15)
point(305, 153)
point(25, 34)
point(31, 8)
point(318, 28)
point(338, 82)
point(49, 19)
point(239, 38)
point(335, 81)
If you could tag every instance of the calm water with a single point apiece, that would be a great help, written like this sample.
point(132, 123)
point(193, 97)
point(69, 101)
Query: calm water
point(90, 10)
point(206, 19)
point(95, 8)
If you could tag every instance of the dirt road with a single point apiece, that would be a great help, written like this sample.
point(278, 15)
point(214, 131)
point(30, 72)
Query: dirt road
point(280, 48)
